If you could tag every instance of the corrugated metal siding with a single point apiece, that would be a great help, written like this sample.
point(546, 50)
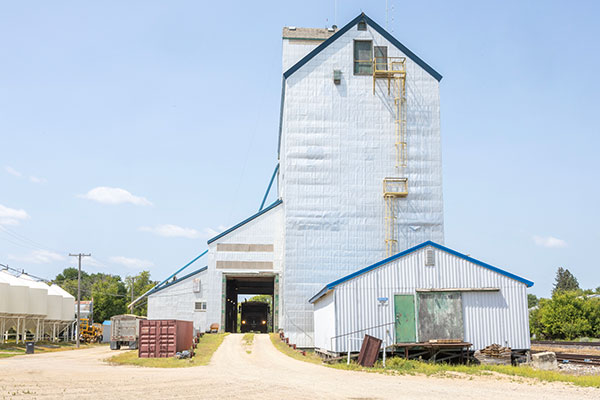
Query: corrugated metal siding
point(265, 229)
point(489, 317)
point(178, 301)
point(336, 149)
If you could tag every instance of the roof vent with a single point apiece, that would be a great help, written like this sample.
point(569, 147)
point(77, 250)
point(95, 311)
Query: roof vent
point(292, 28)
point(362, 26)
point(429, 257)
point(332, 29)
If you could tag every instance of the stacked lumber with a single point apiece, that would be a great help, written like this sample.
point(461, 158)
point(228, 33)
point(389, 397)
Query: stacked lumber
point(495, 350)
point(494, 354)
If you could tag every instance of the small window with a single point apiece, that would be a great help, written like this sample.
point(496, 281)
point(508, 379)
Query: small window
point(200, 306)
point(381, 60)
point(362, 26)
point(429, 257)
point(197, 285)
point(363, 57)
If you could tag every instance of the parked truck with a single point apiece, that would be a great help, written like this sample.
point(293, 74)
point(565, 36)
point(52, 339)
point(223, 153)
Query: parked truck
point(254, 316)
point(125, 331)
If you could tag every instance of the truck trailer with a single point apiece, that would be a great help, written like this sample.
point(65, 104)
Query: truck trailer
point(125, 331)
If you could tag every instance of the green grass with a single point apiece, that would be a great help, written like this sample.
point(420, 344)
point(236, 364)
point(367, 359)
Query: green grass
point(413, 367)
point(285, 349)
point(207, 345)
point(12, 349)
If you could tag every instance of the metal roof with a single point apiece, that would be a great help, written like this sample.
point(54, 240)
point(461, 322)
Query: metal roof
point(333, 284)
point(233, 228)
point(382, 32)
point(308, 33)
point(178, 280)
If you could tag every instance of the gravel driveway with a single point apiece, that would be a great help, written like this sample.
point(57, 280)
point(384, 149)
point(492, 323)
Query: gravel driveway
point(234, 374)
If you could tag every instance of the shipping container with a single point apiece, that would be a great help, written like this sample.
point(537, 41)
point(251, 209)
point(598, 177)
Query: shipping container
point(124, 331)
point(164, 338)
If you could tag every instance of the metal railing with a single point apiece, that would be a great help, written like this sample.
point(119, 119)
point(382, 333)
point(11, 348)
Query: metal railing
point(349, 338)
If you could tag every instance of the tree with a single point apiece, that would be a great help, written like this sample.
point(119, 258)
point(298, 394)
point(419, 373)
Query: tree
point(263, 298)
point(110, 296)
point(532, 300)
point(564, 281)
point(107, 291)
point(141, 284)
point(567, 315)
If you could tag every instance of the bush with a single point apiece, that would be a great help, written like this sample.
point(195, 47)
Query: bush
point(567, 315)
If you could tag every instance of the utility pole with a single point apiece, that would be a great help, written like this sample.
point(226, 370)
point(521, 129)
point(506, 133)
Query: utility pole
point(79, 256)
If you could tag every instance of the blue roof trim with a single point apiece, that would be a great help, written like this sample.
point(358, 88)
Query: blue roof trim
point(374, 25)
point(179, 280)
point(332, 285)
point(244, 222)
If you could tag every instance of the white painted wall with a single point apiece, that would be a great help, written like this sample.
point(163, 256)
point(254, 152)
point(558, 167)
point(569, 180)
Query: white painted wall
point(324, 315)
point(489, 317)
point(178, 302)
point(337, 146)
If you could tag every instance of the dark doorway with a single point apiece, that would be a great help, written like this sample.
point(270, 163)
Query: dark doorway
point(246, 285)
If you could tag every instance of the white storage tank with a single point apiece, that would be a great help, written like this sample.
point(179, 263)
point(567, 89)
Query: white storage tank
point(4, 293)
point(55, 304)
point(68, 302)
point(18, 294)
point(38, 296)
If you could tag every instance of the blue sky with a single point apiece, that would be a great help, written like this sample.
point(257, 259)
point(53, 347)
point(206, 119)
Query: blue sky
point(177, 104)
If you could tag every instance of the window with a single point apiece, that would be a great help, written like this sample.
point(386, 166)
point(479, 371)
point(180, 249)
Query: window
point(429, 257)
point(200, 306)
point(362, 26)
point(197, 285)
point(363, 57)
point(381, 60)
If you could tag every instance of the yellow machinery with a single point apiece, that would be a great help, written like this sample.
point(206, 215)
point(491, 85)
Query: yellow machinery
point(89, 333)
point(393, 69)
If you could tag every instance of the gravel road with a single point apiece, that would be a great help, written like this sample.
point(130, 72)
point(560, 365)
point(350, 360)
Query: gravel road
point(265, 373)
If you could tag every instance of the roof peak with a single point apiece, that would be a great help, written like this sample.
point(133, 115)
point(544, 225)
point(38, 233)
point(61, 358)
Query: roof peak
point(363, 17)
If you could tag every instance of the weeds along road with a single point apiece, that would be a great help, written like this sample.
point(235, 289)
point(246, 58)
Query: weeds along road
point(265, 373)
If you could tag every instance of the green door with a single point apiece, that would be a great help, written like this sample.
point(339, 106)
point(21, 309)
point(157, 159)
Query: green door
point(404, 308)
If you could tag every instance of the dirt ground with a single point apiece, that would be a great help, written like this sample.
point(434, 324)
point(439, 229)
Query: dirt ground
point(265, 373)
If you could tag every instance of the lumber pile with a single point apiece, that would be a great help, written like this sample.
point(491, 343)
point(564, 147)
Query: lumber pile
point(494, 354)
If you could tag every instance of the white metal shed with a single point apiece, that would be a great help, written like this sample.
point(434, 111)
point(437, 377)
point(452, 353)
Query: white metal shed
point(426, 292)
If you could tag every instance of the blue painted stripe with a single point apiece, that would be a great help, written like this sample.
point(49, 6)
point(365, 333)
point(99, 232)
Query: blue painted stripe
point(233, 228)
point(269, 187)
point(374, 25)
point(332, 285)
point(178, 280)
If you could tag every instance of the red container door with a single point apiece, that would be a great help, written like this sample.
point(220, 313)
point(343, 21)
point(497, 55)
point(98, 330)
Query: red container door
point(148, 339)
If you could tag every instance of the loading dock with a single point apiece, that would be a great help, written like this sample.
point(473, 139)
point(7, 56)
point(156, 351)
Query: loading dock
point(248, 284)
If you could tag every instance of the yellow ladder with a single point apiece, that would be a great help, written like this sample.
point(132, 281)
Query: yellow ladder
point(394, 69)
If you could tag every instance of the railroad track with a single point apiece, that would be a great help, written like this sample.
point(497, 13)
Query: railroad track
point(586, 359)
point(565, 344)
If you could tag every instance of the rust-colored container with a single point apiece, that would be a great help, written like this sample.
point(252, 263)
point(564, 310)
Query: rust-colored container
point(164, 337)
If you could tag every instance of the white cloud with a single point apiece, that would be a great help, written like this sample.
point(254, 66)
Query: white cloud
point(12, 171)
point(38, 257)
point(549, 241)
point(35, 179)
point(109, 195)
point(132, 263)
point(11, 216)
point(169, 230)
point(210, 232)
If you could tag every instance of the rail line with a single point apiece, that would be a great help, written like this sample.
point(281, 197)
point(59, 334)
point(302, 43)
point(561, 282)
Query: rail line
point(561, 343)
